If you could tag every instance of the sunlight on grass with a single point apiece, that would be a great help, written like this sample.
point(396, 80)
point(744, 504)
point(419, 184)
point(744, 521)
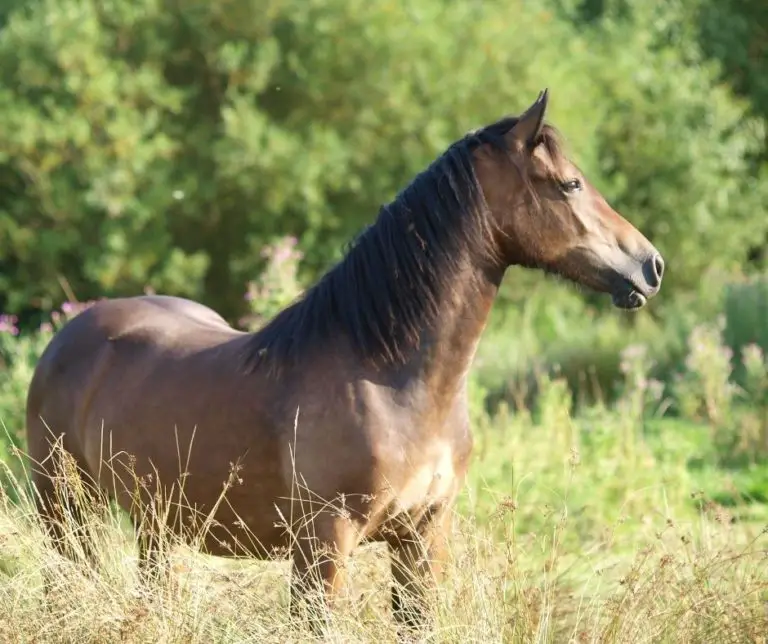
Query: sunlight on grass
point(562, 535)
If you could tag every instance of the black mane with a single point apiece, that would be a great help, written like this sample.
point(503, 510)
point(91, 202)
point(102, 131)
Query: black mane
point(388, 286)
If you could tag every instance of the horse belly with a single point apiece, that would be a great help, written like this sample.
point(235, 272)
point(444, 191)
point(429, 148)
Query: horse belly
point(214, 471)
point(235, 513)
point(250, 527)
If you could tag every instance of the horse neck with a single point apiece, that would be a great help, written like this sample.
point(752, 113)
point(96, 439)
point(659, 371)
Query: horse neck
point(449, 344)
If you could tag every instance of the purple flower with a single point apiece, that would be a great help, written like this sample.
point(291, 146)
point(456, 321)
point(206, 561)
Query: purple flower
point(71, 309)
point(8, 324)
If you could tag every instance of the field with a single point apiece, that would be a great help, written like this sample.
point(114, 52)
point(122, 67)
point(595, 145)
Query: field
point(617, 522)
point(229, 151)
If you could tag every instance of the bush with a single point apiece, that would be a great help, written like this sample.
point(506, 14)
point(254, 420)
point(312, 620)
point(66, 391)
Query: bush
point(142, 145)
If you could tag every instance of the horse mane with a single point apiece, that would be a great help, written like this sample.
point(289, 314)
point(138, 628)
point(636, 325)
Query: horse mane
point(389, 284)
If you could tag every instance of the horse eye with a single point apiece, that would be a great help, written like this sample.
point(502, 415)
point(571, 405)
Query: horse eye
point(571, 186)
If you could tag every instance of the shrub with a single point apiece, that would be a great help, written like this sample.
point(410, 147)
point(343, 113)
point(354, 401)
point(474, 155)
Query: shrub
point(142, 144)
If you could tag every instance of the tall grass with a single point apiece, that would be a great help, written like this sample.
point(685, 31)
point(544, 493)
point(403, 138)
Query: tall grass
point(636, 517)
point(583, 544)
point(592, 528)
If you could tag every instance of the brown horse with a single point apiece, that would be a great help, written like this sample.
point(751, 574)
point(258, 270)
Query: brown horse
point(357, 392)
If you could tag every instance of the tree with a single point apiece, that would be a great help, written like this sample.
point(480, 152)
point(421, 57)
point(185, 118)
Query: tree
point(163, 144)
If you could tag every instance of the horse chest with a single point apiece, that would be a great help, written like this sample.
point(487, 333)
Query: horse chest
point(427, 476)
point(419, 456)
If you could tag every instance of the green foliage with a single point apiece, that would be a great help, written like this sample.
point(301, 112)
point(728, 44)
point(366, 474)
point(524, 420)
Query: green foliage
point(735, 32)
point(18, 357)
point(705, 391)
point(19, 353)
point(614, 467)
point(746, 311)
point(554, 329)
point(142, 145)
point(755, 393)
point(675, 145)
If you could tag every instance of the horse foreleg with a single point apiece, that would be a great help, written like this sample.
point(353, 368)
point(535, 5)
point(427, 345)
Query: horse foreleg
point(319, 555)
point(417, 561)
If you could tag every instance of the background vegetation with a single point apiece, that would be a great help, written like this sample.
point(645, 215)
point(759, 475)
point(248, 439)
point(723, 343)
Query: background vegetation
point(227, 150)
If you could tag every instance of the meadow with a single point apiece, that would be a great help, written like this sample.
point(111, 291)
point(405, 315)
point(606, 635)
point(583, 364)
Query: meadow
point(619, 487)
point(636, 516)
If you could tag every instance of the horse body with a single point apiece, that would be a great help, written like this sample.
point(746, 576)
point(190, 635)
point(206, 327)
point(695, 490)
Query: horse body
point(110, 383)
point(345, 419)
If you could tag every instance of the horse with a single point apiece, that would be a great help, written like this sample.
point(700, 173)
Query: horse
point(358, 389)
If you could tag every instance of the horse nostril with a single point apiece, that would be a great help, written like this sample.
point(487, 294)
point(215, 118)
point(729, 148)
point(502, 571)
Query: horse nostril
point(654, 270)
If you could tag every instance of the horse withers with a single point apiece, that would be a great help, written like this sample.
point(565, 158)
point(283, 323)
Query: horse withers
point(356, 394)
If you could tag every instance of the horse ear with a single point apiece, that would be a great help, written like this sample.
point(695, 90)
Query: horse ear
point(528, 126)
